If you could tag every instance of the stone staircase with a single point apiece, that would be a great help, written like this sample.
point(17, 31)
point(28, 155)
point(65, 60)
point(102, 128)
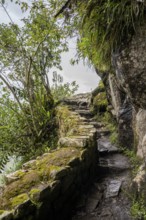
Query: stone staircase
point(86, 125)
point(108, 197)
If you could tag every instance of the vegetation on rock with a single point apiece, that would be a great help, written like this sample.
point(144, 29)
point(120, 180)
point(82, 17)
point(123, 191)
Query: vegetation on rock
point(103, 26)
point(99, 99)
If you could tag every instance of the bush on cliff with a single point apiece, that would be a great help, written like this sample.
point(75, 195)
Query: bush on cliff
point(103, 26)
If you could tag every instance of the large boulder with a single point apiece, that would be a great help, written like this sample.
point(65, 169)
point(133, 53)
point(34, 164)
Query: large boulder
point(121, 108)
point(130, 68)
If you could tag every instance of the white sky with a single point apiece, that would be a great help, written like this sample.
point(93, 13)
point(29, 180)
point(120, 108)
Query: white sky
point(83, 75)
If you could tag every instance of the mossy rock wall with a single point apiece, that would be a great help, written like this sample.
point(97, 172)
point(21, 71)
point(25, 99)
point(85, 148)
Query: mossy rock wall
point(47, 187)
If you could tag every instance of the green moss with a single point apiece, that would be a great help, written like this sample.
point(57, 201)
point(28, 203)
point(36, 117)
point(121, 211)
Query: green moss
point(101, 85)
point(46, 168)
point(114, 137)
point(67, 121)
point(22, 185)
point(100, 102)
point(34, 195)
point(19, 200)
point(2, 211)
point(34, 191)
point(45, 172)
point(19, 173)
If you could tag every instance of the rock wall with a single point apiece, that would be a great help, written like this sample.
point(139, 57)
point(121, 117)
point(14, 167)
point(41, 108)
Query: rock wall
point(47, 187)
point(121, 109)
point(126, 92)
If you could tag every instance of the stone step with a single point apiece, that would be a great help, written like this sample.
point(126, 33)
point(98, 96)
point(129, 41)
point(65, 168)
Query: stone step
point(74, 102)
point(113, 188)
point(96, 124)
point(103, 132)
point(105, 147)
point(78, 107)
point(73, 141)
point(85, 113)
point(114, 163)
point(70, 102)
point(86, 126)
point(84, 119)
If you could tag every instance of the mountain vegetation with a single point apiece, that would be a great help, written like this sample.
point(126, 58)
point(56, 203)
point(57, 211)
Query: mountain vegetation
point(103, 26)
point(28, 54)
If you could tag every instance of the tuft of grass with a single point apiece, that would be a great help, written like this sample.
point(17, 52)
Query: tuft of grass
point(110, 123)
point(134, 159)
point(138, 209)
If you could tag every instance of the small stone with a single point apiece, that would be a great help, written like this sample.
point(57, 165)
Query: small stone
point(14, 176)
point(92, 204)
point(113, 188)
point(71, 142)
point(104, 146)
point(29, 164)
point(106, 214)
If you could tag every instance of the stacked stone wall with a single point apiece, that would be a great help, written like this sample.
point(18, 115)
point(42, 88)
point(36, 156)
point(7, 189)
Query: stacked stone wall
point(47, 188)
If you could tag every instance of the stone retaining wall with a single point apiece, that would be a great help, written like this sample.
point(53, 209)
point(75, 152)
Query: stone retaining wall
point(47, 187)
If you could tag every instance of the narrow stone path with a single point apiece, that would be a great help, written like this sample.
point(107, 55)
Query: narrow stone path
point(107, 198)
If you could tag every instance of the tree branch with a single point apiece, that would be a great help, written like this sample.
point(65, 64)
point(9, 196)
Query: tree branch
point(63, 8)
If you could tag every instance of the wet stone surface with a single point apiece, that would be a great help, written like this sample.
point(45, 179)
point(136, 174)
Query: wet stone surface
point(104, 146)
point(113, 188)
point(107, 198)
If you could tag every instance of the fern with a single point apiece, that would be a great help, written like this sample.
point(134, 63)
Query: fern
point(105, 25)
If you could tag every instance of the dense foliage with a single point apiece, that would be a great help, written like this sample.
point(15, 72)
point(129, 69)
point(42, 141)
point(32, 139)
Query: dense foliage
point(103, 26)
point(27, 56)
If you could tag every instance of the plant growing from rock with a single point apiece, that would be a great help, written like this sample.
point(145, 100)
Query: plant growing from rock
point(103, 26)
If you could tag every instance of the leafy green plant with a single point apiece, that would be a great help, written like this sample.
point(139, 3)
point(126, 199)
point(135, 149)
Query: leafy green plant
point(111, 124)
point(100, 102)
point(62, 90)
point(103, 26)
point(27, 54)
point(110, 23)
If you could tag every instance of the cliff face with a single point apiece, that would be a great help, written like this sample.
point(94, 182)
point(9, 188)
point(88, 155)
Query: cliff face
point(130, 74)
point(126, 91)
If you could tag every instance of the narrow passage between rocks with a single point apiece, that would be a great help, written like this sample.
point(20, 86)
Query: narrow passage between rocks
point(107, 198)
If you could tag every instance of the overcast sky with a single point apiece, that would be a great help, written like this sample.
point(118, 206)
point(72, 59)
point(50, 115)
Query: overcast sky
point(83, 75)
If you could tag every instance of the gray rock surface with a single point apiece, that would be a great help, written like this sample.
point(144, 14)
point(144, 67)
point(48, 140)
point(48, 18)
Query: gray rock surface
point(140, 127)
point(106, 199)
point(130, 66)
point(105, 146)
point(113, 188)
